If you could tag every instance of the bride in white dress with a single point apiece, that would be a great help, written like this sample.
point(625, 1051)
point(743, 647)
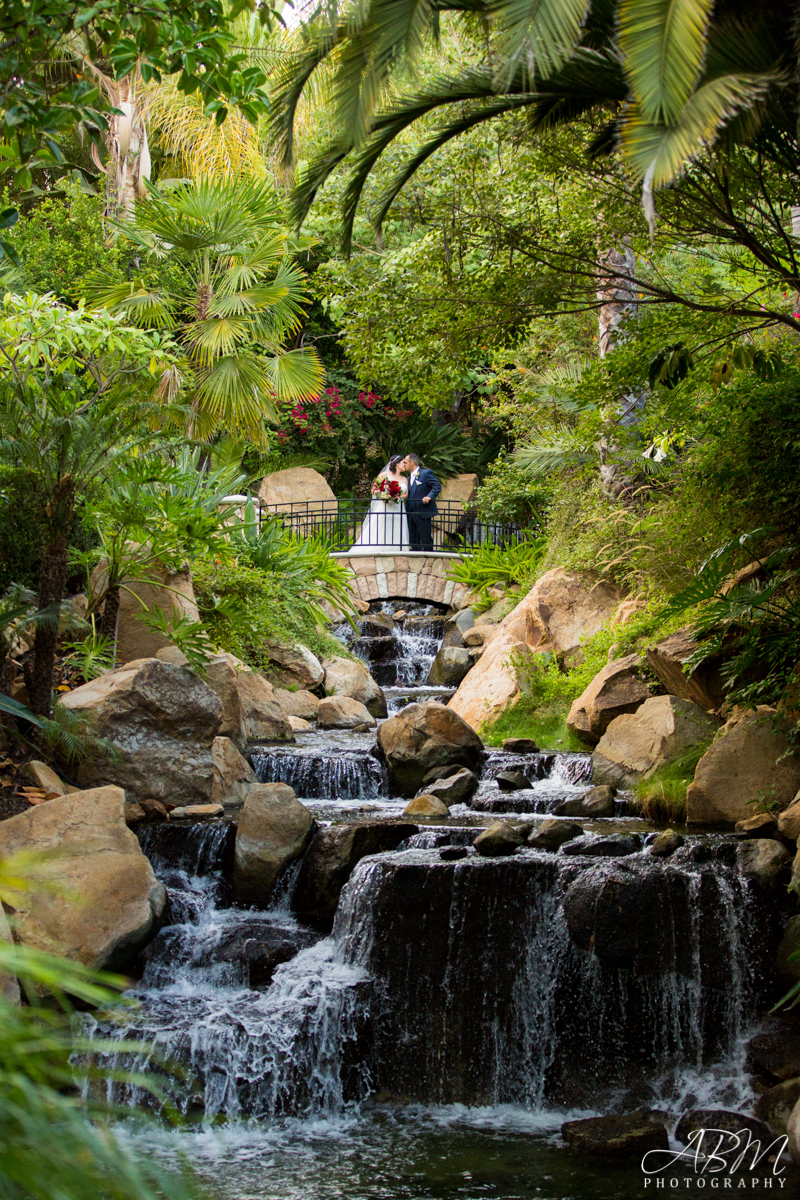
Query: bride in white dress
point(386, 524)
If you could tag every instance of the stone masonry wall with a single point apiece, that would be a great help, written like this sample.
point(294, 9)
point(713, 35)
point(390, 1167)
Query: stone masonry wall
point(408, 577)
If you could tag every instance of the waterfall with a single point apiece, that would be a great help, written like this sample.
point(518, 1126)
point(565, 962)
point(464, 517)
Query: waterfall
point(323, 774)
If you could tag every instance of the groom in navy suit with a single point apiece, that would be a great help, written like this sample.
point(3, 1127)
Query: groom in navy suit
point(423, 488)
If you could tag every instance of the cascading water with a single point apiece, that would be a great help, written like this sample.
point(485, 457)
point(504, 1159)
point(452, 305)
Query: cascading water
point(502, 988)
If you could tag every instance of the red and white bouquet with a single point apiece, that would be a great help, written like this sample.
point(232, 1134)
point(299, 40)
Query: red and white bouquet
point(386, 489)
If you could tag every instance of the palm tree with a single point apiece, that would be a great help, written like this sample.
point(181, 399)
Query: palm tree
point(242, 298)
point(669, 78)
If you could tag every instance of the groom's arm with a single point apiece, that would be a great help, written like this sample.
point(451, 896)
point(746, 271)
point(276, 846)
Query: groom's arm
point(435, 487)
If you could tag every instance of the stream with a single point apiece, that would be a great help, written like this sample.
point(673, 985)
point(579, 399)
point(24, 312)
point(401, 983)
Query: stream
point(432, 1044)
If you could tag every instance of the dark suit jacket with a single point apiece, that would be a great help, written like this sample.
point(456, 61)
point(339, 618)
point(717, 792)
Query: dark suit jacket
point(426, 484)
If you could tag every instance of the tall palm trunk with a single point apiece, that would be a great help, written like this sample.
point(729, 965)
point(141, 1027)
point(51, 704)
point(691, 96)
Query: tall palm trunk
point(128, 163)
point(53, 573)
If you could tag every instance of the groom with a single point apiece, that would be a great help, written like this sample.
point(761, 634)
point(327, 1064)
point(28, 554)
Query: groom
point(423, 488)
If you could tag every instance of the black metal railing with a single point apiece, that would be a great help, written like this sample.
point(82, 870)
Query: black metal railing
point(357, 524)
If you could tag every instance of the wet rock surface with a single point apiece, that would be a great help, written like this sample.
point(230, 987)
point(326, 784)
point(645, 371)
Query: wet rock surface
point(619, 1136)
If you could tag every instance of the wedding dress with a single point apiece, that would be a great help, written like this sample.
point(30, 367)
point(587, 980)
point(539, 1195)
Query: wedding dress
point(385, 526)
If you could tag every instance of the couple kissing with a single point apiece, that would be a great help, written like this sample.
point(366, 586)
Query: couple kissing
point(402, 509)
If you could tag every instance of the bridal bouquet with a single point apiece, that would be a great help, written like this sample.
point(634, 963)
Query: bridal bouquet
point(386, 489)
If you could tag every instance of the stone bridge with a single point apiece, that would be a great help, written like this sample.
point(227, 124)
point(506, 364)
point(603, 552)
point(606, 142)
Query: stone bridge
point(409, 576)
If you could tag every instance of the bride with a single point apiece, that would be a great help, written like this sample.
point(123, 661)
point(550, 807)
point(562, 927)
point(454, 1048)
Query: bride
point(386, 523)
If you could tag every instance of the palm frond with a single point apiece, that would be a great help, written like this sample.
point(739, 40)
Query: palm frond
point(663, 44)
point(537, 36)
point(553, 452)
point(296, 375)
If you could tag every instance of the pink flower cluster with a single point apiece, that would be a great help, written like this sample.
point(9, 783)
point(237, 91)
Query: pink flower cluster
point(368, 399)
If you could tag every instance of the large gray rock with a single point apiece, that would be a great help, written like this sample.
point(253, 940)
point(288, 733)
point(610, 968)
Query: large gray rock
point(624, 1135)
point(162, 719)
point(159, 588)
point(498, 840)
point(342, 712)
point(667, 660)
point(597, 802)
point(552, 834)
point(329, 863)
point(750, 760)
point(264, 719)
point(297, 485)
point(423, 736)
point(454, 789)
point(348, 677)
point(774, 1106)
point(762, 860)
point(618, 688)
point(222, 676)
point(274, 829)
point(426, 805)
point(93, 897)
point(233, 775)
point(636, 744)
point(293, 666)
point(449, 667)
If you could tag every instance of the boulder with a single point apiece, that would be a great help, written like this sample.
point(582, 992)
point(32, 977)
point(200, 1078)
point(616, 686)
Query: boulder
point(233, 774)
point(171, 654)
point(378, 624)
point(788, 822)
point(93, 896)
point(342, 712)
point(146, 811)
point(761, 825)
point(458, 788)
point(618, 688)
point(512, 781)
point(667, 660)
point(162, 720)
point(299, 725)
point(749, 761)
point(292, 666)
point(274, 829)
point(560, 610)
point(496, 614)
point(460, 489)
point(520, 746)
point(423, 736)
point(478, 636)
point(222, 676)
point(667, 842)
point(786, 967)
point(330, 860)
point(462, 621)
point(762, 860)
point(552, 834)
point(453, 853)
point(774, 1106)
point(775, 1051)
point(716, 1121)
point(171, 592)
point(264, 719)
point(623, 1135)
point(348, 677)
point(44, 777)
point(449, 667)
point(197, 812)
point(9, 988)
point(426, 806)
point(592, 846)
point(637, 744)
point(498, 840)
point(297, 485)
point(597, 802)
point(298, 704)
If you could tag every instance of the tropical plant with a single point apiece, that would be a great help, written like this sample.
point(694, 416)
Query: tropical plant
point(242, 298)
point(189, 636)
point(65, 410)
point(483, 566)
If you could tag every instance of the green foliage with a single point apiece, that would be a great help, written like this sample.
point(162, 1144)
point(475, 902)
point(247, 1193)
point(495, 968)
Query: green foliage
point(59, 241)
point(23, 534)
point(547, 727)
point(508, 494)
point(483, 566)
point(242, 298)
point(190, 637)
point(662, 797)
point(93, 655)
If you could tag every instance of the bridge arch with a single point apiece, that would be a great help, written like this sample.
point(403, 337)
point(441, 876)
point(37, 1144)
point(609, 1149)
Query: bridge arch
point(409, 576)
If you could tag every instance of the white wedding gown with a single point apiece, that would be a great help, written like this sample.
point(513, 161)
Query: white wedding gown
point(385, 527)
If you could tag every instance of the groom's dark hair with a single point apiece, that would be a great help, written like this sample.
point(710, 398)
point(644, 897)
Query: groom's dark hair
point(414, 458)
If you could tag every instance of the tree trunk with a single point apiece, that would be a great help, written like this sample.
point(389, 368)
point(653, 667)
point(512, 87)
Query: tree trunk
point(53, 572)
point(108, 626)
point(128, 154)
point(617, 298)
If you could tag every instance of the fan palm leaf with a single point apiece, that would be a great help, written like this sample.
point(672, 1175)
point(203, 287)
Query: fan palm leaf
point(663, 45)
